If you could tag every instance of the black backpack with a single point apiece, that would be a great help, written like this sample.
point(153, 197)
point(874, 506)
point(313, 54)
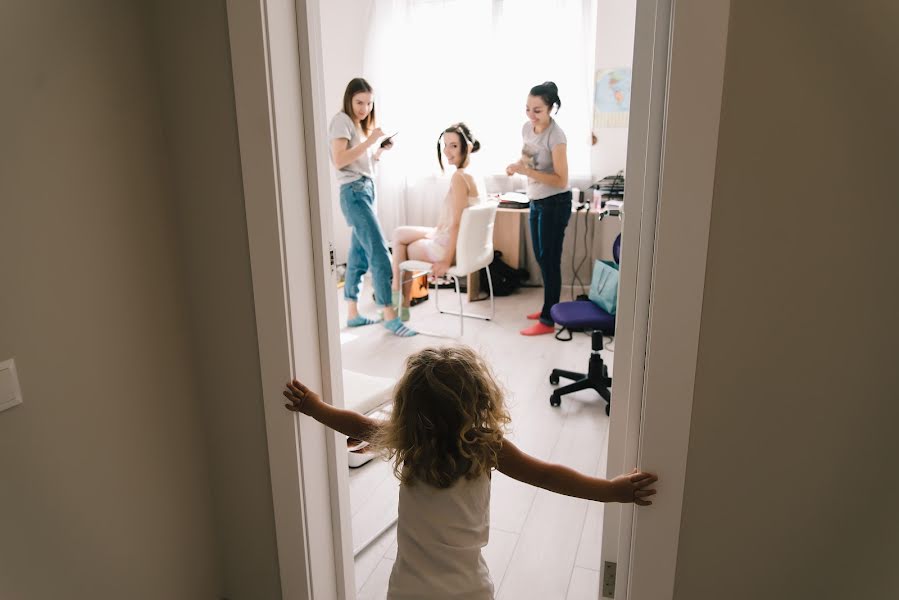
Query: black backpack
point(505, 278)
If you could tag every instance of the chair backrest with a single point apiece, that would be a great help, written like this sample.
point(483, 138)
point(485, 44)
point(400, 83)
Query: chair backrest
point(474, 245)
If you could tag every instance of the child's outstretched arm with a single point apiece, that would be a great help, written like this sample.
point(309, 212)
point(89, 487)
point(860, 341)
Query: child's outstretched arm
point(633, 487)
point(347, 422)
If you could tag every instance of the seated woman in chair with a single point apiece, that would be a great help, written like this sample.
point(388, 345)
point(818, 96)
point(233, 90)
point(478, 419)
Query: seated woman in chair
point(437, 245)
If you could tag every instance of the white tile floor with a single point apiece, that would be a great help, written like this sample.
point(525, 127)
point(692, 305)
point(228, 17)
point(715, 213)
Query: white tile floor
point(542, 545)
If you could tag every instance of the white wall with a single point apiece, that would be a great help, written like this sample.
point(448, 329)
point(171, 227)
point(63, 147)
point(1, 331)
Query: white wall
point(791, 489)
point(344, 26)
point(105, 486)
point(614, 48)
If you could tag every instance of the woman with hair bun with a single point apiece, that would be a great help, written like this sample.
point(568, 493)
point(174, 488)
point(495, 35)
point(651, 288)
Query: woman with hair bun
point(437, 245)
point(544, 161)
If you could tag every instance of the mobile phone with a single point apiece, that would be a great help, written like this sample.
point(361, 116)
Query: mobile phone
point(388, 139)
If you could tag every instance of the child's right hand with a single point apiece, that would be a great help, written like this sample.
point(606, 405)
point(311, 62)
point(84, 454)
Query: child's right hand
point(633, 487)
point(302, 399)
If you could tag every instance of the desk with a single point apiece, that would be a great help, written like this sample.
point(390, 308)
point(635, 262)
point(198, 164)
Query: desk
point(511, 237)
point(507, 234)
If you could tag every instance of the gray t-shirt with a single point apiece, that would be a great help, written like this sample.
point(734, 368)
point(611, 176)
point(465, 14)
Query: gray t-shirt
point(342, 127)
point(537, 153)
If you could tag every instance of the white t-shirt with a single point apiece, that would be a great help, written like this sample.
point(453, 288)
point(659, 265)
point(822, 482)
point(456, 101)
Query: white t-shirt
point(537, 153)
point(440, 534)
point(343, 127)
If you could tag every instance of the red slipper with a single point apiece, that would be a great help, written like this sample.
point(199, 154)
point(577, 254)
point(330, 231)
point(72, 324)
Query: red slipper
point(538, 328)
point(535, 316)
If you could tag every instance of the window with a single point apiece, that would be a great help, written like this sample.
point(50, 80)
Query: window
point(433, 63)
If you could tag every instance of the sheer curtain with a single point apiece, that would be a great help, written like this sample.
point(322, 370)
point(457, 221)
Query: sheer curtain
point(436, 62)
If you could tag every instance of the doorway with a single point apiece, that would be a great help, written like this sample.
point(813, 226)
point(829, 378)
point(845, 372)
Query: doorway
point(334, 571)
point(418, 37)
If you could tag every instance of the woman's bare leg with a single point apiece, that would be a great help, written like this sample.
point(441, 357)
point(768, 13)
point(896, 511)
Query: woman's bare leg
point(402, 237)
point(417, 250)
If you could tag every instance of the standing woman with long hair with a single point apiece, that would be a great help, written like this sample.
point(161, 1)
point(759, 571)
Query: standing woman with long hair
point(352, 134)
point(544, 161)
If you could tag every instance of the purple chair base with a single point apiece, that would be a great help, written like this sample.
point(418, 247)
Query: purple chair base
point(584, 315)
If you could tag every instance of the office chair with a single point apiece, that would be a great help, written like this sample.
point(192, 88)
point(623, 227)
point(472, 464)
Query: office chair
point(585, 315)
point(474, 251)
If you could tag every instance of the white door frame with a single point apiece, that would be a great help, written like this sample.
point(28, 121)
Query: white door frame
point(291, 277)
point(645, 135)
point(678, 77)
point(678, 82)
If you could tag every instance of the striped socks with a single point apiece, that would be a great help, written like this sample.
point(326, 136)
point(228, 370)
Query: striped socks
point(396, 327)
point(360, 321)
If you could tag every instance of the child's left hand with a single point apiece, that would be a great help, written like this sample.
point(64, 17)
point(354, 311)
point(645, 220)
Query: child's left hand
point(632, 487)
point(301, 398)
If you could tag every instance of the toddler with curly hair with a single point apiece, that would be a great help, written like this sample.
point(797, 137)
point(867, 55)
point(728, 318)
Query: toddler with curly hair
point(445, 436)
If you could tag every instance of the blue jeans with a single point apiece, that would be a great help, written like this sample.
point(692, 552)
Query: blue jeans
point(548, 219)
point(368, 248)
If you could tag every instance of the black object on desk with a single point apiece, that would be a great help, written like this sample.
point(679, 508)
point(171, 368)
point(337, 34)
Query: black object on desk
point(515, 200)
point(611, 186)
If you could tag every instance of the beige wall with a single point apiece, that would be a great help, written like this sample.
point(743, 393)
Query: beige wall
point(105, 488)
point(791, 474)
point(136, 467)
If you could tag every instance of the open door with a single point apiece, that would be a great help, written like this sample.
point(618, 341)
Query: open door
point(676, 99)
point(291, 275)
point(672, 143)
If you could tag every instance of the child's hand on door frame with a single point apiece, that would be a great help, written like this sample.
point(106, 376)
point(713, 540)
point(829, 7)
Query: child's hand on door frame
point(632, 487)
point(301, 398)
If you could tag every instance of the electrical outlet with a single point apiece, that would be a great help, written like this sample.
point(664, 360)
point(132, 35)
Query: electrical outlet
point(10, 394)
point(609, 575)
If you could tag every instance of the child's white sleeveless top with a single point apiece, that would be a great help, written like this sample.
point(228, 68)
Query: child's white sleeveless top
point(439, 535)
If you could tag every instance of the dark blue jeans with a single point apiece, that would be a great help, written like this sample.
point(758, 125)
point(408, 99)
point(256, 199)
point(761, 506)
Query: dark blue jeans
point(368, 248)
point(549, 218)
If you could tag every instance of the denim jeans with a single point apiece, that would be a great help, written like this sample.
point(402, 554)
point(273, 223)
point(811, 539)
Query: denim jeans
point(368, 248)
point(548, 219)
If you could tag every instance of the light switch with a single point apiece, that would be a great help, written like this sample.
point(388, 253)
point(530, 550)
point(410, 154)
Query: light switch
point(10, 394)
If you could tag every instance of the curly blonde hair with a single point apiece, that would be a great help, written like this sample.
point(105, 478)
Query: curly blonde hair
point(448, 418)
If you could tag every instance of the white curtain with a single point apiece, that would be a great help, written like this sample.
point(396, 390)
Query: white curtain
point(436, 62)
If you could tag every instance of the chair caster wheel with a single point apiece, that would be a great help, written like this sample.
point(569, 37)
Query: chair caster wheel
point(608, 410)
point(555, 400)
point(554, 379)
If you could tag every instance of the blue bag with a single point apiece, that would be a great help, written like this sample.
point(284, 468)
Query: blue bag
point(604, 286)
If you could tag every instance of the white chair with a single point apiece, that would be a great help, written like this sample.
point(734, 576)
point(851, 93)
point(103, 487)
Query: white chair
point(474, 251)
